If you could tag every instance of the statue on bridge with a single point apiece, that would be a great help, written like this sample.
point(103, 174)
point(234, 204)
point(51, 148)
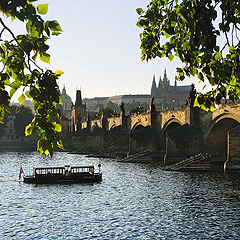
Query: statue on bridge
point(122, 109)
point(152, 106)
point(192, 95)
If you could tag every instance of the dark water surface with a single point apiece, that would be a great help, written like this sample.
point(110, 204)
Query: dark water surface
point(134, 201)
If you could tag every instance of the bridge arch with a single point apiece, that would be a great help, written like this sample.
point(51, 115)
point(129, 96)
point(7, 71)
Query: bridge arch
point(94, 126)
point(137, 126)
point(113, 126)
point(169, 125)
point(215, 138)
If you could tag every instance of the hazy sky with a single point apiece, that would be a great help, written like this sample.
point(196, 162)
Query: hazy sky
point(99, 49)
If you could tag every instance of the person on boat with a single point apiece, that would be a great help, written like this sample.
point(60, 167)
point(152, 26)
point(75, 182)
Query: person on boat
point(66, 173)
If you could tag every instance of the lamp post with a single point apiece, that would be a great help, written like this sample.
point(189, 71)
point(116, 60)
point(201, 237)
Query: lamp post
point(173, 103)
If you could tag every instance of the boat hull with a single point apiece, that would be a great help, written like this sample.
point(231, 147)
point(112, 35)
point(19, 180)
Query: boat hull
point(79, 178)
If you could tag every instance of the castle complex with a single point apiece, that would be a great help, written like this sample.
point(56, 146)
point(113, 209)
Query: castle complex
point(167, 96)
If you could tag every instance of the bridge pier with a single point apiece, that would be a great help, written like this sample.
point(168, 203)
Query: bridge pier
point(142, 139)
point(183, 142)
point(233, 159)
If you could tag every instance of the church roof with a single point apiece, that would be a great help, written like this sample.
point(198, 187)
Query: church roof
point(66, 97)
point(64, 94)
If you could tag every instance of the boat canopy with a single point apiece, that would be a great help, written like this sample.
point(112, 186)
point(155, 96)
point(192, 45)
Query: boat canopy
point(89, 166)
point(63, 170)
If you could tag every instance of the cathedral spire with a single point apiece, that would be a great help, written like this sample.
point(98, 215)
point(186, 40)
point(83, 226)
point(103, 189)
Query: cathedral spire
point(159, 83)
point(64, 90)
point(154, 87)
point(165, 76)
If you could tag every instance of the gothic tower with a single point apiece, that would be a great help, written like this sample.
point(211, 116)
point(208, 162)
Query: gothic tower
point(154, 87)
point(79, 112)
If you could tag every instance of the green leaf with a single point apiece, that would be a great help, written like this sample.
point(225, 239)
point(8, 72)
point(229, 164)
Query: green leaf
point(12, 91)
point(217, 55)
point(7, 82)
point(21, 99)
point(28, 130)
point(200, 76)
point(170, 57)
point(34, 32)
point(139, 11)
point(27, 94)
point(58, 127)
point(44, 146)
point(45, 57)
point(42, 9)
point(167, 35)
point(196, 103)
point(60, 145)
point(59, 72)
point(211, 108)
point(16, 84)
point(232, 49)
point(194, 71)
point(54, 26)
point(56, 33)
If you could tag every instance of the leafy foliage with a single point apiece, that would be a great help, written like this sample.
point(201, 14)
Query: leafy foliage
point(18, 55)
point(106, 113)
point(137, 110)
point(98, 106)
point(204, 35)
point(113, 106)
point(136, 107)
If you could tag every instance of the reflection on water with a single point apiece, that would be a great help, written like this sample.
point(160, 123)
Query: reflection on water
point(134, 201)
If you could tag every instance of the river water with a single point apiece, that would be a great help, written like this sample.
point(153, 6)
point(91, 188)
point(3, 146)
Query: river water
point(134, 201)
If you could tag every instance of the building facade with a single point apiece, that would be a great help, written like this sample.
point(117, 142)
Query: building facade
point(10, 138)
point(142, 98)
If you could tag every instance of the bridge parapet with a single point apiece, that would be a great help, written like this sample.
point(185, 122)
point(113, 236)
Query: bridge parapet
point(180, 115)
point(113, 122)
point(96, 123)
point(84, 125)
point(93, 124)
point(227, 109)
point(142, 119)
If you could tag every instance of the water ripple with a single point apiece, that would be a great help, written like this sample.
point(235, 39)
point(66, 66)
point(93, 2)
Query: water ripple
point(134, 201)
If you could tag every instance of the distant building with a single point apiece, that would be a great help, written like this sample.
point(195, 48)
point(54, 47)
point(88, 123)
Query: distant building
point(25, 103)
point(142, 98)
point(10, 133)
point(167, 96)
point(91, 103)
point(10, 138)
point(66, 103)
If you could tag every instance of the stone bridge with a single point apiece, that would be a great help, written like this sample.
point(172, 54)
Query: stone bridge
point(176, 134)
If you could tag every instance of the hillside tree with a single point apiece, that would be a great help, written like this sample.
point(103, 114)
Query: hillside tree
point(19, 69)
point(107, 113)
point(204, 35)
point(24, 116)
